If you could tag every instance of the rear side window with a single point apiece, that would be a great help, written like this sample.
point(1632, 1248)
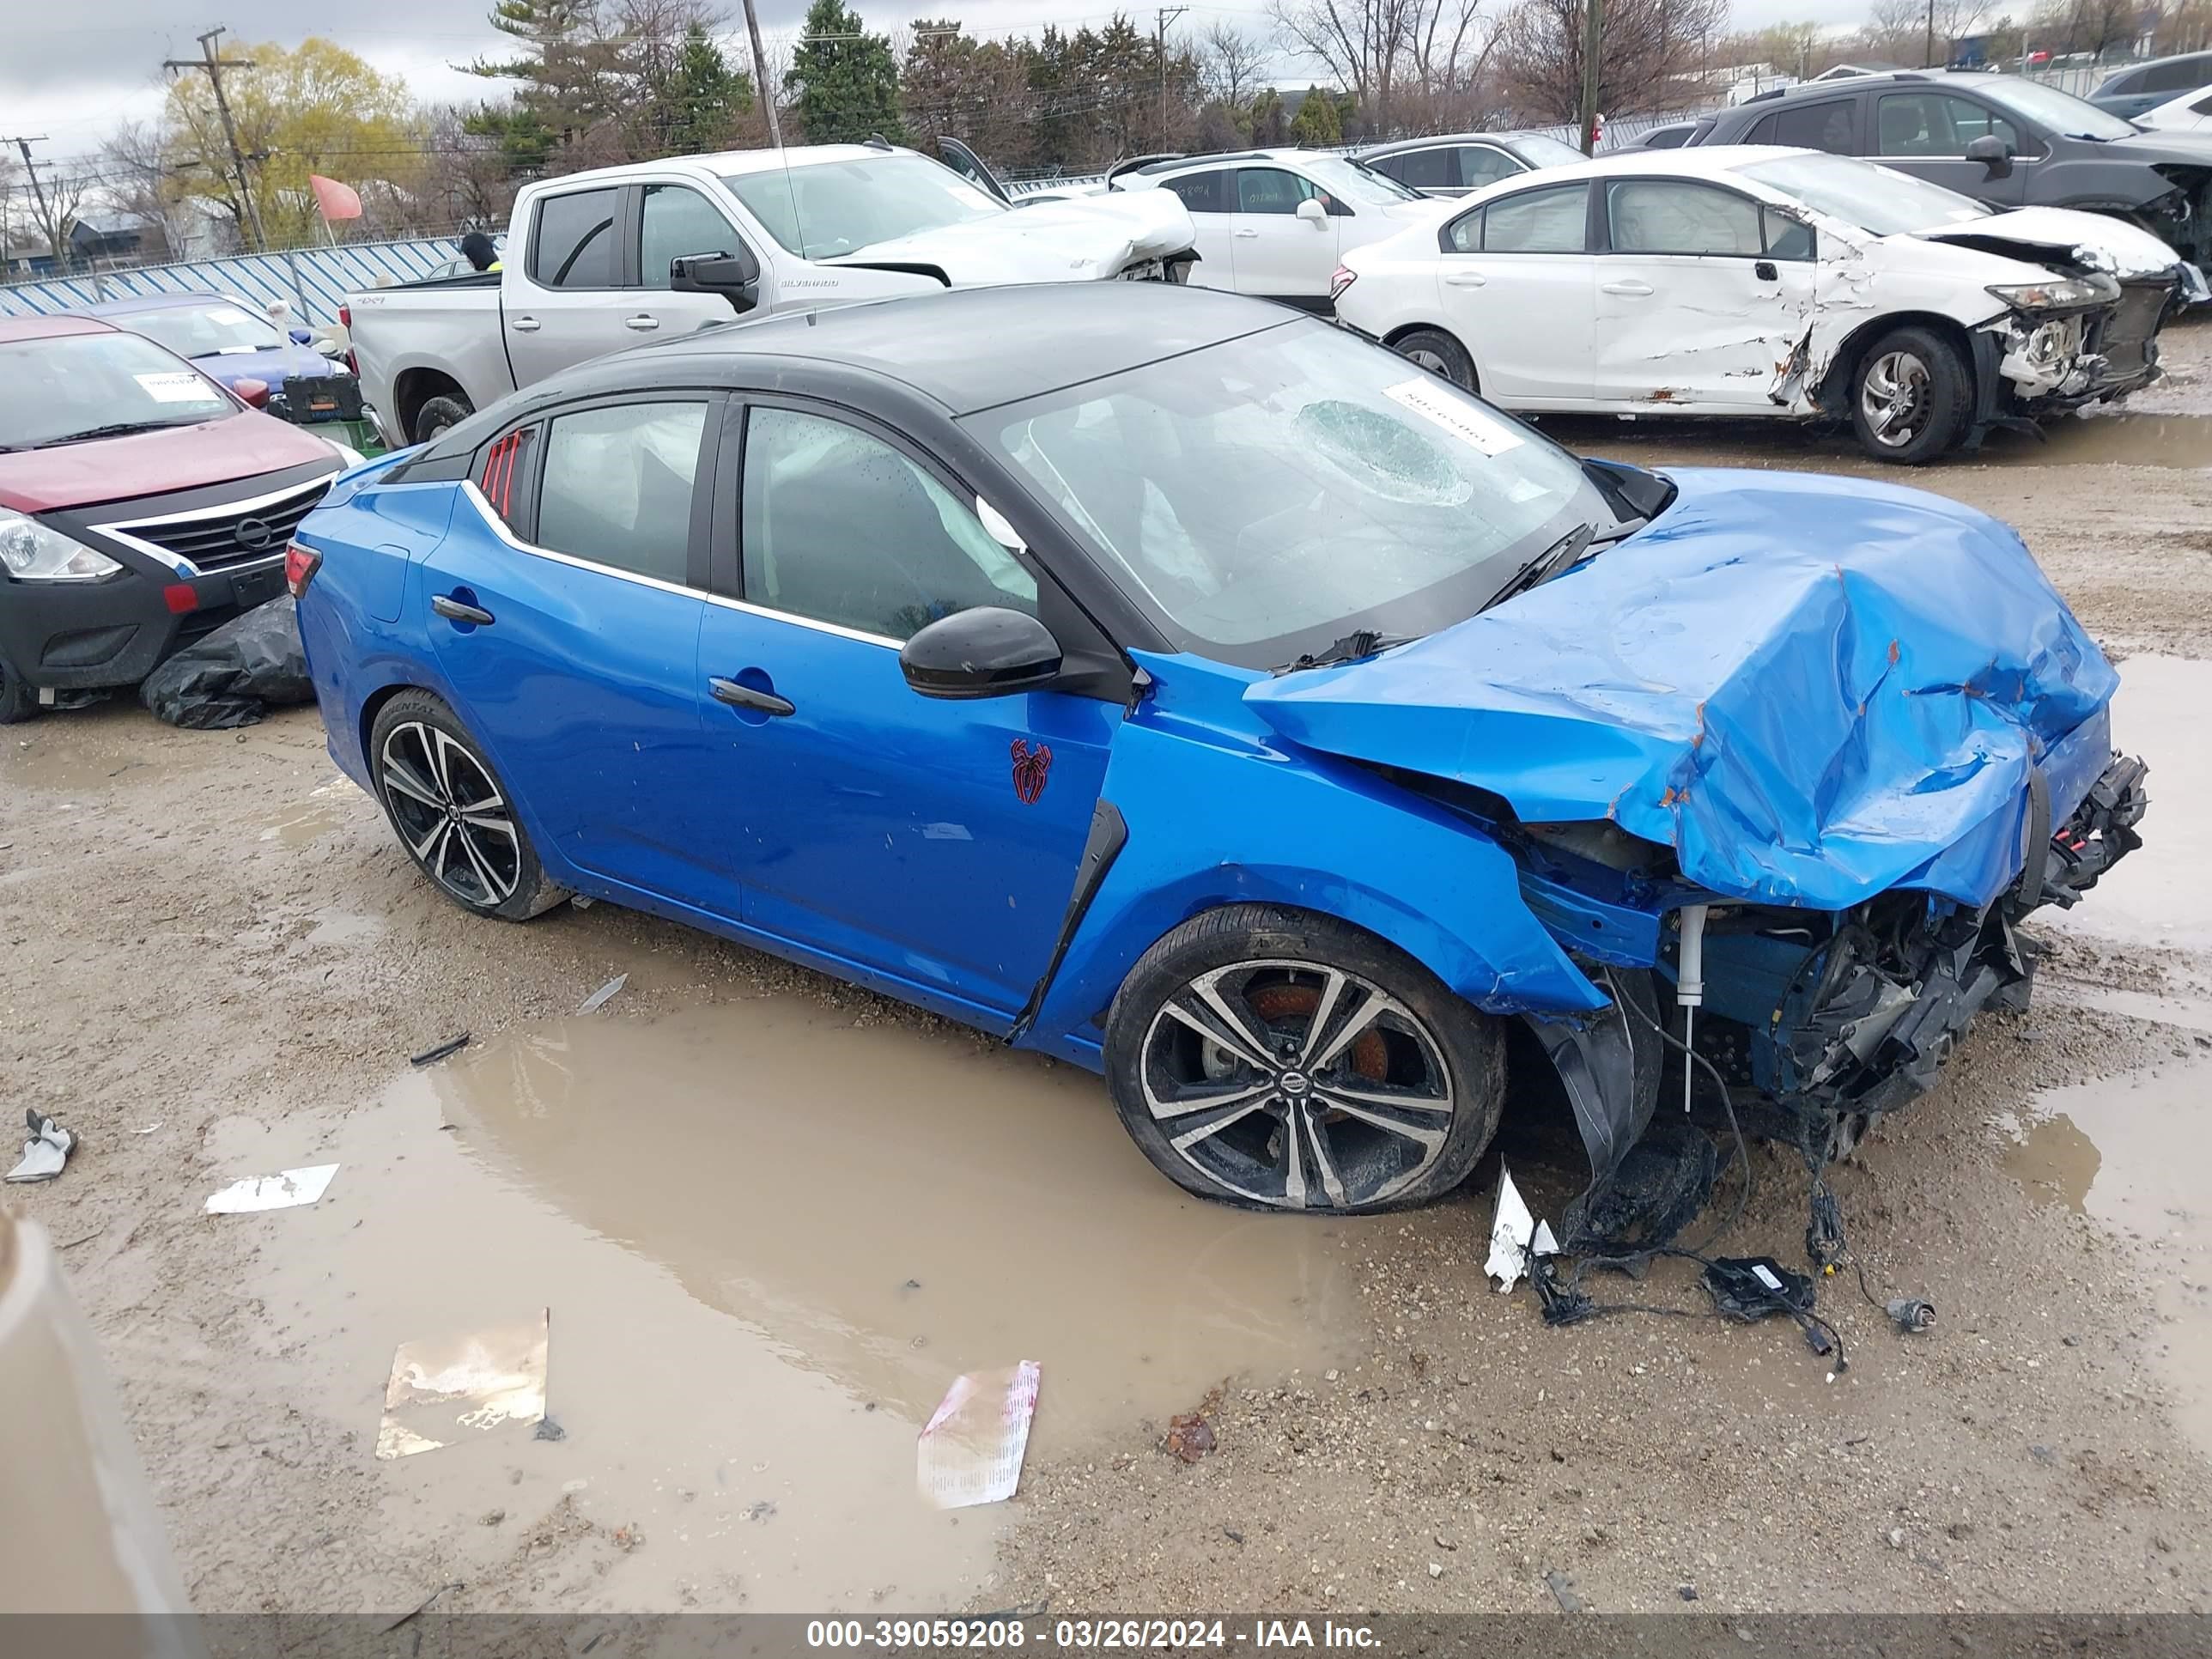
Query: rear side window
point(575, 244)
point(1427, 169)
point(1535, 221)
point(2180, 75)
point(1830, 125)
point(617, 487)
point(1202, 192)
point(504, 463)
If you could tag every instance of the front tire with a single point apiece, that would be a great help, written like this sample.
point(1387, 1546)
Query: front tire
point(1277, 1060)
point(1912, 396)
point(438, 413)
point(452, 812)
point(1437, 352)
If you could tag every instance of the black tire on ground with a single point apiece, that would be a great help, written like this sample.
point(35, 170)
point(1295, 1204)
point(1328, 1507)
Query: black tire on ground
point(453, 813)
point(1924, 386)
point(438, 413)
point(1437, 352)
point(19, 698)
point(1379, 1086)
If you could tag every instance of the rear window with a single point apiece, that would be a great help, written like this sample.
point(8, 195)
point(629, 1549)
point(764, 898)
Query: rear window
point(574, 246)
point(73, 388)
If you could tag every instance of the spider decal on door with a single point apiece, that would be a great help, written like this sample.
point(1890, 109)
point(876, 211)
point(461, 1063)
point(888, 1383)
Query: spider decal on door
point(1031, 767)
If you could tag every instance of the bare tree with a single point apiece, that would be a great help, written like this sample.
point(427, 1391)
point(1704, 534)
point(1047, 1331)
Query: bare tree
point(141, 182)
point(1897, 30)
point(1230, 64)
point(51, 197)
point(1646, 48)
point(1399, 58)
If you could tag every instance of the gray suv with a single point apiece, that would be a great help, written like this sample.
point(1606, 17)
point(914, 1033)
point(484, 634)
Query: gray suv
point(2129, 92)
point(2002, 140)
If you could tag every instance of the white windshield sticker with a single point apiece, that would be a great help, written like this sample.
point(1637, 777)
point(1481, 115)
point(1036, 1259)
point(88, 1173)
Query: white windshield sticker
point(176, 386)
point(1466, 422)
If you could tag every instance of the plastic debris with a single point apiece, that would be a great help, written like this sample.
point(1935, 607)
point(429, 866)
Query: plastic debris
point(285, 1190)
point(232, 676)
point(471, 1383)
point(450, 1046)
point(1910, 1313)
point(603, 994)
point(1515, 1236)
point(46, 1151)
point(971, 1450)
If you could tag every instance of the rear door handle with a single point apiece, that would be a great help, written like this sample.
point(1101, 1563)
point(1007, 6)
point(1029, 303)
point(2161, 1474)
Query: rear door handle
point(1246, 233)
point(745, 696)
point(1634, 288)
point(641, 322)
point(1765, 273)
point(524, 325)
point(1465, 279)
point(460, 610)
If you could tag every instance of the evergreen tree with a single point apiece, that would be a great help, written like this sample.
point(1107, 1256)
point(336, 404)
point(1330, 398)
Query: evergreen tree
point(706, 96)
point(1316, 125)
point(845, 81)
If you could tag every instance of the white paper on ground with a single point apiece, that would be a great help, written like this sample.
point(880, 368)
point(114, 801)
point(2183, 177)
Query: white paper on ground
point(970, 1451)
point(477, 1382)
point(278, 1192)
point(1515, 1235)
point(45, 1153)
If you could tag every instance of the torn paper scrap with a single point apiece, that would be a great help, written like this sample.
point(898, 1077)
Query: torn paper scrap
point(46, 1151)
point(1515, 1235)
point(600, 995)
point(971, 1450)
point(468, 1384)
point(281, 1191)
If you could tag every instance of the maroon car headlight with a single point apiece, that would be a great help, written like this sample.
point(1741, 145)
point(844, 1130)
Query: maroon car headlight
point(32, 552)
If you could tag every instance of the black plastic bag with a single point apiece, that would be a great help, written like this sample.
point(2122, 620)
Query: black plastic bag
point(231, 677)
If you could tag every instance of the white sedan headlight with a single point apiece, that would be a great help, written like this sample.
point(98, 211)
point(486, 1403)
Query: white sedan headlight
point(32, 552)
point(2059, 293)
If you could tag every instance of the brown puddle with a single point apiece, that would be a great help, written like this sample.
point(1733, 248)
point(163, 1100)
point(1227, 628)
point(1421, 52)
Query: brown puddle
point(770, 1239)
point(2135, 1153)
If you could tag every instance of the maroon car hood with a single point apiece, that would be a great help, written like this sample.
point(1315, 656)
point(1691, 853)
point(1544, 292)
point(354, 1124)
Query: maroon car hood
point(242, 445)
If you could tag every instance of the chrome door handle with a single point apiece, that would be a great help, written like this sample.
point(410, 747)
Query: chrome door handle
point(1634, 288)
point(524, 325)
point(641, 322)
point(1246, 233)
point(460, 611)
point(1465, 279)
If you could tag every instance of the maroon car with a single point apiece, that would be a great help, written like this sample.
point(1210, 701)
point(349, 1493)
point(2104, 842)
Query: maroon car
point(141, 505)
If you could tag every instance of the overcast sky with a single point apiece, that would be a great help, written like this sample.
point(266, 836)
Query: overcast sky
point(73, 78)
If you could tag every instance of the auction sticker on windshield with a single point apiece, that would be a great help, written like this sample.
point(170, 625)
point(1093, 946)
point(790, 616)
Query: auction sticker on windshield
point(177, 386)
point(1463, 421)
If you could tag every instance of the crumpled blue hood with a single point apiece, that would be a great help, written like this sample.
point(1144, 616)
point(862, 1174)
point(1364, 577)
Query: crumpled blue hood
point(1812, 689)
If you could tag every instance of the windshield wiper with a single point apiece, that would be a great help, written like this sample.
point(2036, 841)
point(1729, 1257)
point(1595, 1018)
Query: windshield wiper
point(1360, 643)
point(1553, 559)
point(115, 429)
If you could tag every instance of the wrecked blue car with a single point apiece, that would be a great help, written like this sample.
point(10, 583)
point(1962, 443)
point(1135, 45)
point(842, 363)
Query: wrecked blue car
point(1191, 690)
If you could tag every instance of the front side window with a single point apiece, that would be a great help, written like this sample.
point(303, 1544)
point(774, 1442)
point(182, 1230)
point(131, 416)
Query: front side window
point(574, 246)
point(1915, 124)
point(72, 388)
point(1271, 190)
point(1666, 216)
point(1202, 192)
point(677, 221)
point(825, 208)
point(618, 486)
point(1538, 221)
point(839, 527)
point(1265, 496)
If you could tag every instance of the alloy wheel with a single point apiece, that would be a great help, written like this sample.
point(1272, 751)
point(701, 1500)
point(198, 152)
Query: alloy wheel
point(1297, 1085)
point(1894, 397)
point(455, 822)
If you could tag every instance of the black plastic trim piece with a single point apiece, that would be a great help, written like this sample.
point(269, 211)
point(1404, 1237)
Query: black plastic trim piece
point(1109, 833)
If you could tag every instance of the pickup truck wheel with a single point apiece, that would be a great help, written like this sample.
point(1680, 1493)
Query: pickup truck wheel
point(438, 413)
point(1279, 1060)
point(1911, 397)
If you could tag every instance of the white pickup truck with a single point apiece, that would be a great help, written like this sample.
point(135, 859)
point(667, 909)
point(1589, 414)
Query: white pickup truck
point(596, 261)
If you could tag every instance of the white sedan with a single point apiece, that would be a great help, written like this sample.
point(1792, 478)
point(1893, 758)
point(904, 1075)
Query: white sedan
point(1274, 222)
point(2191, 112)
point(1786, 283)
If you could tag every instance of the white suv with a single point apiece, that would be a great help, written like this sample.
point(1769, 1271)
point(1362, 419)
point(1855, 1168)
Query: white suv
point(1274, 222)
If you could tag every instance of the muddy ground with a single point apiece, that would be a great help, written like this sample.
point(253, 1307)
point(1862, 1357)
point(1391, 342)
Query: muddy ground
point(770, 1218)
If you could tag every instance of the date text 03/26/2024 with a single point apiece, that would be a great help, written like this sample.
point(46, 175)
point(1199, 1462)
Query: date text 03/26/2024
point(1084, 1635)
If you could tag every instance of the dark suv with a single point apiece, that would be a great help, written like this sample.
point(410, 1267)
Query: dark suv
point(2002, 140)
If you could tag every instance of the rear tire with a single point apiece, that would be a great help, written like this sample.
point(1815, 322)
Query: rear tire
point(1912, 396)
point(452, 812)
point(1347, 1079)
point(438, 413)
point(1437, 352)
point(19, 698)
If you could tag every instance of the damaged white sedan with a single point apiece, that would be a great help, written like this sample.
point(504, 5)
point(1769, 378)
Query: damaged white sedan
point(1787, 283)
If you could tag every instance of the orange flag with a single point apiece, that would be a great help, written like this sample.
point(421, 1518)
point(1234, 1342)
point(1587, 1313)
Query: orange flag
point(337, 201)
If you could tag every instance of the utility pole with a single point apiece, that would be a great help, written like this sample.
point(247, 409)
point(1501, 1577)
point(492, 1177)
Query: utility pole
point(57, 243)
point(1928, 59)
point(1161, 19)
point(1593, 30)
point(215, 66)
point(763, 90)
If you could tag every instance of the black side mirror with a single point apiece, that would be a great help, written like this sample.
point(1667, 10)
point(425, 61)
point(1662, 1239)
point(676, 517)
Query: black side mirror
point(987, 652)
point(735, 277)
point(1993, 153)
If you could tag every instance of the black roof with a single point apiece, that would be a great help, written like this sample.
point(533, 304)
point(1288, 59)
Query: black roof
point(974, 347)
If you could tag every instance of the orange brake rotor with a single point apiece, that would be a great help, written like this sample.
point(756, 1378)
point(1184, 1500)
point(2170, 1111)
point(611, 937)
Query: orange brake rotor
point(1370, 1055)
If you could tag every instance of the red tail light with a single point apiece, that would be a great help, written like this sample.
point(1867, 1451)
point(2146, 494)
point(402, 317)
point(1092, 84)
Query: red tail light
point(345, 322)
point(1343, 277)
point(301, 564)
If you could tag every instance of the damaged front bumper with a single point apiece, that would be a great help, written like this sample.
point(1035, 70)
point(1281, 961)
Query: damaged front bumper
point(1818, 1022)
point(2035, 364)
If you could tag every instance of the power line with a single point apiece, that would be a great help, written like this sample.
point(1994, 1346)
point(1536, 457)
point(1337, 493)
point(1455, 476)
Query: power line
point(215, 66)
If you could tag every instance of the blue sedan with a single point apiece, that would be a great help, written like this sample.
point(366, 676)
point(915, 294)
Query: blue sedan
point(224, 337)
point(1187, 689)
